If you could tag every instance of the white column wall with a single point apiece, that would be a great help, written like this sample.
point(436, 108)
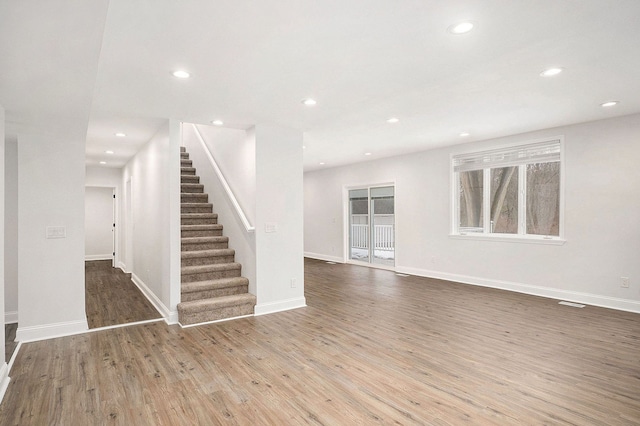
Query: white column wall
point(602, 183)
point(51, 174)
point(4, 369)
point(150, 171)
point(11, 231)
point(279, 202)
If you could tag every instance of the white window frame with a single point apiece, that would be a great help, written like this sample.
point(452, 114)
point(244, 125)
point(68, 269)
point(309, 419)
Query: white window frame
point(486, 235)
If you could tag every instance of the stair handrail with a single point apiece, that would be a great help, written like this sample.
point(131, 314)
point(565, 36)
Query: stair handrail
point(234, 201)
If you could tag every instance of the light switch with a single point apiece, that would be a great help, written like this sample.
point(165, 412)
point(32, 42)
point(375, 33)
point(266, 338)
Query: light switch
point(270, 227)
point(56, 232)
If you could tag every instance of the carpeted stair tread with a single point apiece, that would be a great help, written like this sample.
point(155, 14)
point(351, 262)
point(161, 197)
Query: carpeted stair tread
point(191, 188)
point(214, 267)
point(199, 215)
point(207, 253)
point(200, 227)
point(198, 286)
point(189, 179)
point(216, 303)
point(193, 197)
point(194, 240)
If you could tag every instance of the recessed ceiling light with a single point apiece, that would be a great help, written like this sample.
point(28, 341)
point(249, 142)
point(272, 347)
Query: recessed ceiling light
point(460, 28)
point(109, 152)
point(304, 147)
point(103, 162)
point(217, 122)
point(609, 104)
point(309, 102)
point(464, 134)
point(322, 163)
point(120, 135)
point(181, 74)
point(393, 120)
point(367, 153)
point(550, 72)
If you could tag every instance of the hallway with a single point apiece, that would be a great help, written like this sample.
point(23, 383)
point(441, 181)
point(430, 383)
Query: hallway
point(111, 298)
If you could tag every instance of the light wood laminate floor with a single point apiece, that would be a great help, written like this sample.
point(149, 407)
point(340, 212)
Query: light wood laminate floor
point(111, 298)
point(371, 348)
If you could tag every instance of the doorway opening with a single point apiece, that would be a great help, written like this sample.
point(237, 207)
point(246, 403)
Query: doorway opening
point(372, 225)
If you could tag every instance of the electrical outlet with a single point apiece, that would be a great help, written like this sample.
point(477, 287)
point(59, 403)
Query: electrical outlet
point(294, 283)
point(624, 282)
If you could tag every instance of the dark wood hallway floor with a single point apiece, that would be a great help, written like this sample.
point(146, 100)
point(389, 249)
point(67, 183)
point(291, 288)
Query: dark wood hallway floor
point(111, 298)
point(370, 348)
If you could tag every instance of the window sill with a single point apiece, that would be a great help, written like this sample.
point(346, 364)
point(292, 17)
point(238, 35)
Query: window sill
point(555, 241)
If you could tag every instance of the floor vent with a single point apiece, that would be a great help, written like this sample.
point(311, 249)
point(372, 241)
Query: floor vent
point(331, 263)
point(402, 275)
point(575, 305)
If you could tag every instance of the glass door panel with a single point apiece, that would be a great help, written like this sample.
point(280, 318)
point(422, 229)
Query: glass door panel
point(372, 225)
point(359, 225)
point(383, 225)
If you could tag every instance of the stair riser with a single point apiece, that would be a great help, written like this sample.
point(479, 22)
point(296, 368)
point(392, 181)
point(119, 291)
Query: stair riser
point(212, 275)
point(189, 179)
point(209, 294)
point(187, 171)
point(204, 246)
point(192, 189)
point(199, 221)
point(185, 162)
point(202, 233)
point(196, 209)
point(184, 155)
point(216, 314)
point(194, 198)
point(209, 260)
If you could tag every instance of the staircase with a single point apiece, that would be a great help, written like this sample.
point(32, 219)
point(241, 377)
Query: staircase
point(212, 286)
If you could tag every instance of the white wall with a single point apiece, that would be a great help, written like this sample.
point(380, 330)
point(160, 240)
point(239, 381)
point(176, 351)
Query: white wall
point(151, 172)
point(98, 223)
point(279, 203)
point(103, 176)
point(11, 231)
point(602, 206)
point(51, 270)
point(235, 153)
point(4, 369)
point(240, 240)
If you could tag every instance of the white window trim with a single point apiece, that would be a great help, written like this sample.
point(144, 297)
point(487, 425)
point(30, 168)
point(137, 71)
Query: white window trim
point(512, 238)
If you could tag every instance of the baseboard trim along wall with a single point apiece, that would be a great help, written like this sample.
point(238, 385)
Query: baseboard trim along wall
point(4, 379)
point(551, 293)
point(326, 257)
point(279, 306)
point(170, 317)
point(108, 256)
point(11, 317)
point(50, 331)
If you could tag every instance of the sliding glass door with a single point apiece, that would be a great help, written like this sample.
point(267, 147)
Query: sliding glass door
point(372, 225)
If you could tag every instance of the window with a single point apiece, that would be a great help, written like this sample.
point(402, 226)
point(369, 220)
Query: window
point(509, 192)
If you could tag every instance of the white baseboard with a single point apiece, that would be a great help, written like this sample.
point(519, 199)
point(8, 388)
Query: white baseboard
point(98, 257)
point(122, 266)
point(551, 293)
point(279, 306)
point(50, 331)
point(4, 379)
point(326, 257)
point(11, 317)
point(170, 317)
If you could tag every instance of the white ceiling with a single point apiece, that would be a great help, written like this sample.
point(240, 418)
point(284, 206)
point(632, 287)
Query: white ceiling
point(101, 67)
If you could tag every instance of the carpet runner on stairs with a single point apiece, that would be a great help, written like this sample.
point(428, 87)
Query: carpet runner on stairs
point(212, 286)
